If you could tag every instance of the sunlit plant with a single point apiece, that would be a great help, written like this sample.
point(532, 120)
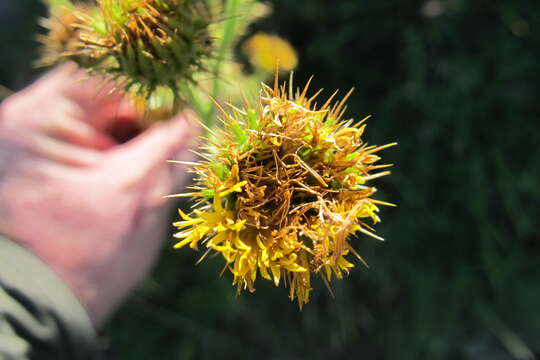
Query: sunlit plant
point(282, 185)
point(281, 188)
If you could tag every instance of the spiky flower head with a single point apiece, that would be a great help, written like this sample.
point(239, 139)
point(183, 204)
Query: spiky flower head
point(281, 190)
point(146, 44)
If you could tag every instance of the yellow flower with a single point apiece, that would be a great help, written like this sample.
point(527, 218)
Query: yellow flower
point(266, 51)
point(281, 189)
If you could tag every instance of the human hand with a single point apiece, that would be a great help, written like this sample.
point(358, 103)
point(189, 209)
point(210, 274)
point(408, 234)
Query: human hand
point(90, 207)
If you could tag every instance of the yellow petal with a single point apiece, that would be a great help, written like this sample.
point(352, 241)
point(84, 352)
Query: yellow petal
point(236, 188)
point(276, 271)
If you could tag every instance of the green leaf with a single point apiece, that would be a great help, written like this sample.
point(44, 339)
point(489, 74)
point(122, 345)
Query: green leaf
point(351, 170)
point(239, 133)
point(351, 156)
point(221, 170)
point(304, 154)
point(330, 121)
point(208, 193)
point(253, 121)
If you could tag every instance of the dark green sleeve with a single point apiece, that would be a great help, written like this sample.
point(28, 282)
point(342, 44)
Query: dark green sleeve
point(39, 316)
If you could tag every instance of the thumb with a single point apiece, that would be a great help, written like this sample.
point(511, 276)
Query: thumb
point(143, 160)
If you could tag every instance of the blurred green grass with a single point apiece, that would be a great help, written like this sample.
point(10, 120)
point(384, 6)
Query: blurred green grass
point(456, 83)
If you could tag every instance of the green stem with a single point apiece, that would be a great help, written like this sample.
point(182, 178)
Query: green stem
point(231, 10)
point(200, 107)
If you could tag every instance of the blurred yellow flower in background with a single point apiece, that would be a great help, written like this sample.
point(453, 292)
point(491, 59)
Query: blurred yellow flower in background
point(266, 51)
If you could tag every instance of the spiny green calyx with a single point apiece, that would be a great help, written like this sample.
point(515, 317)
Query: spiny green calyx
point(144, 44)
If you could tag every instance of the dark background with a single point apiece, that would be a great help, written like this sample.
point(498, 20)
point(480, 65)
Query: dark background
point(456, 83)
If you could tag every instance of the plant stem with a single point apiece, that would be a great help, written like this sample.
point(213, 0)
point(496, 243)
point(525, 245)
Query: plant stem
point(231, 10)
